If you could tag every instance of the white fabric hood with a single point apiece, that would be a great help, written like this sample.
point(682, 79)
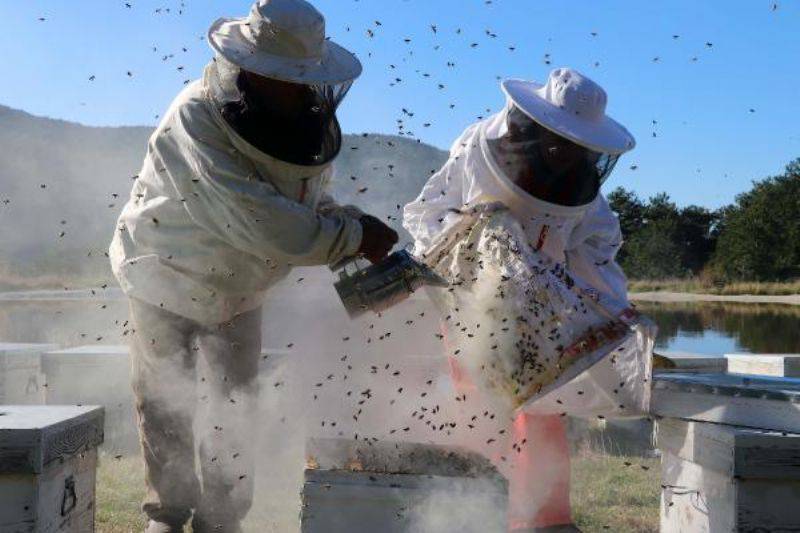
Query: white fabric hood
point(586, 237)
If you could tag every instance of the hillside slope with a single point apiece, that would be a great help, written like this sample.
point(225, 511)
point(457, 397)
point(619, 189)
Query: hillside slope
point(62, 186)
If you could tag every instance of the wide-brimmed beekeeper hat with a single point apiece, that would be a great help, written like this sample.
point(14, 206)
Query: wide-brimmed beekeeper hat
point(573, 106)
point(284, 40)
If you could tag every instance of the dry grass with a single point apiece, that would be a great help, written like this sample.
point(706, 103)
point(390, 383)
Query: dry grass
point(607, 495)
point(697, 286)
point(120, 489)
point(708, 310)
point(611, 493)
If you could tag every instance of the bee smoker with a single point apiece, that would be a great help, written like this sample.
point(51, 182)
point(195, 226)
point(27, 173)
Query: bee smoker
point(381, 286)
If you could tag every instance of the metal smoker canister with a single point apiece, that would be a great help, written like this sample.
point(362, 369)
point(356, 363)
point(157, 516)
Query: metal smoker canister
point(381, 286)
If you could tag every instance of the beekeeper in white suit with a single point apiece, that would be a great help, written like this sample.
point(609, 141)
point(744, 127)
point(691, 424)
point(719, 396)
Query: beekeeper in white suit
point(230, 197)
point(545, 157)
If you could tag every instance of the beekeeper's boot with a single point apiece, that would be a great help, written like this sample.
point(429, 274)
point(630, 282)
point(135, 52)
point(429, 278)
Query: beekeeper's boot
point(154, 526)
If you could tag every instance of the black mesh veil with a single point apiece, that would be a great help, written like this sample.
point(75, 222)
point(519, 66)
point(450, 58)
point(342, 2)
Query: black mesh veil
point(547, 165)
point(306, 133)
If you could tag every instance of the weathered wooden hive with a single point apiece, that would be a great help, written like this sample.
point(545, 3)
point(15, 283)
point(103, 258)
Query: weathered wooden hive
point(774, 364)
point(735, 399)
point(721, 478)
point(21, 378)
point(355, 486)
point(730, 446)
point(48, 458)
point(95, 375)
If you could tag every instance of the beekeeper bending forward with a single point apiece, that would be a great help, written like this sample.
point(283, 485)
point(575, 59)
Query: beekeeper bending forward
point(230, 197)
point(520, 197)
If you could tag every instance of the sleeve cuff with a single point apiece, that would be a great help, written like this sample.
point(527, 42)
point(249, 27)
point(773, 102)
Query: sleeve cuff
point(355, 234)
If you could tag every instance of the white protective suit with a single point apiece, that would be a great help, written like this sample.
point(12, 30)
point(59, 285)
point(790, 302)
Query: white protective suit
point(212, 222)
point(531, 357)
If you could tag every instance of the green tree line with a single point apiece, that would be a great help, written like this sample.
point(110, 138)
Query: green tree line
point(757, 238)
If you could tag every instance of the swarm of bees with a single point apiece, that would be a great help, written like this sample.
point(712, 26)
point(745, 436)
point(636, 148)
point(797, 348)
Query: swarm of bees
point(535, 334)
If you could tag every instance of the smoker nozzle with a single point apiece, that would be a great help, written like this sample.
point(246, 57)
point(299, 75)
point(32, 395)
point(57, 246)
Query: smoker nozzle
point(385, 284)
point(429, 277)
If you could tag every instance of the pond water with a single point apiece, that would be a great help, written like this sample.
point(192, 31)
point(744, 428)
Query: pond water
point(703, 328)
point(716, 328)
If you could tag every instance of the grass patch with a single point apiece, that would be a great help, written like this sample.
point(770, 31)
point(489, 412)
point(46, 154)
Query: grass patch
point(693, 285)
point(713, 314)
point(610, 495)
point(120, 489)
point(607, 495)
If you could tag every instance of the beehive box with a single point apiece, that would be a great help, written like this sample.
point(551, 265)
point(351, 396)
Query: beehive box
point(777, 365)
point(21, 379)
point(720, 478)
point(739, 400)
point(95, 375)
point(357, 486)
point(48, 458)
point(693, 362)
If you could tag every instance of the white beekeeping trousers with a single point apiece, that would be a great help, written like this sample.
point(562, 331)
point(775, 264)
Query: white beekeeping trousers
point(168, 390)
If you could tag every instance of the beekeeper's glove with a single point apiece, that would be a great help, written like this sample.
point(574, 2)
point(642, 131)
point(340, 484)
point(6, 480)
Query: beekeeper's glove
point(377, 239)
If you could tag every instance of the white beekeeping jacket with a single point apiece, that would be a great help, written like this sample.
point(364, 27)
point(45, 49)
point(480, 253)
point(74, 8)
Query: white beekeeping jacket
point(212, 222)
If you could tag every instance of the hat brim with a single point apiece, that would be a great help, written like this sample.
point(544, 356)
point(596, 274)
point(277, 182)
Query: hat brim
point(606, 135)
point(337, 65)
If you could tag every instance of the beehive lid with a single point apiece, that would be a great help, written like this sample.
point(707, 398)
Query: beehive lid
point(93, 349)
point(19, 347)
point(91, 355)
point(732, 385)
point(32, 437)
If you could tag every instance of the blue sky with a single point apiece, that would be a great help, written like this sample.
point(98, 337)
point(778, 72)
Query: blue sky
point(708, 144)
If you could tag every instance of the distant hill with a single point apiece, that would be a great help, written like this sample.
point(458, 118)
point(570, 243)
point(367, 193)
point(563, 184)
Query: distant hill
point(60, 177)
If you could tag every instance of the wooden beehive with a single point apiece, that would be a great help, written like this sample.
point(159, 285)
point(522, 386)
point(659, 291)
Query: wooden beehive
point(48, 458)
point(392, 487)
point(777, 365)
point(21, 379)
point(739, 400)
point(721, 478)
point(95, 375)
point(693, 362)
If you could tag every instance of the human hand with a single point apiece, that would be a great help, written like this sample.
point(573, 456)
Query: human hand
point(377, 239)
